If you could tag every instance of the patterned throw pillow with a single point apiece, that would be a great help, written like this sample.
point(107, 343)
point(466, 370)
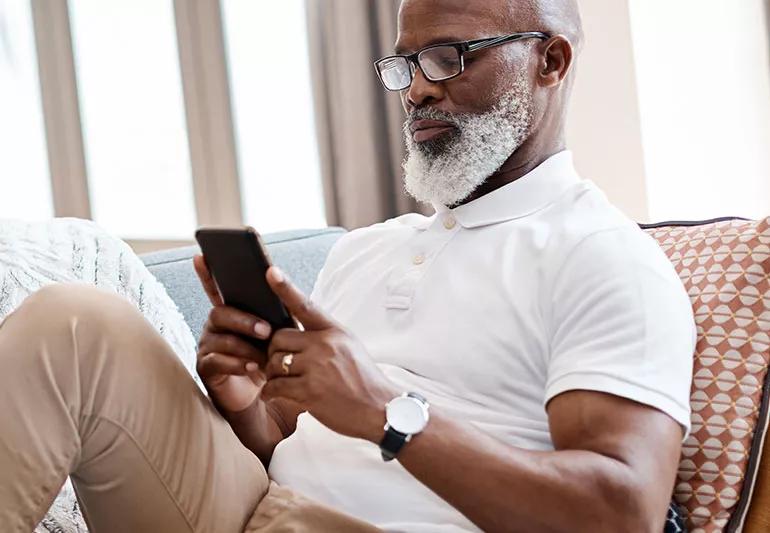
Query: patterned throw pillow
point(725, 267)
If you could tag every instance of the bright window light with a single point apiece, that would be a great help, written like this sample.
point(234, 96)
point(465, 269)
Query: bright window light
point(704, 90)
point(133, 117)
point(25, 186)
point(272, 106)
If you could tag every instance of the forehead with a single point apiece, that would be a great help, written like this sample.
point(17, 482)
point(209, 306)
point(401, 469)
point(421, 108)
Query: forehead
point(424, 22)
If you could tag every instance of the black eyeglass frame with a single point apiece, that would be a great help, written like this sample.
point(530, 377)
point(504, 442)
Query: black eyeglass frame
point(462, 47)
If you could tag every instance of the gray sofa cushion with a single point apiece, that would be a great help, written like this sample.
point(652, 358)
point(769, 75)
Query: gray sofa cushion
point(300, 253)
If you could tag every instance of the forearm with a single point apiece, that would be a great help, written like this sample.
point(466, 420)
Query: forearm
point(256, 428)
point(502, 488)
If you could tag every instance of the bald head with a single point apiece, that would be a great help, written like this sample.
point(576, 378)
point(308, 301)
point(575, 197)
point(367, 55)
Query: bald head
point(555, 17)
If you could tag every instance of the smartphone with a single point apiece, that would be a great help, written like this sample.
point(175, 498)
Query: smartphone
point(238, 262)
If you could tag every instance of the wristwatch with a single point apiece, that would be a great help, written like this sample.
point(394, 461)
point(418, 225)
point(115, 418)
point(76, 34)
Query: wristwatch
point(406, 415)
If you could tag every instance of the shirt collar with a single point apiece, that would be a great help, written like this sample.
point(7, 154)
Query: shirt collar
point(518, 199)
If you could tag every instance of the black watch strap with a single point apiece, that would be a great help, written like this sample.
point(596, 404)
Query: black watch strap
point(392, 443)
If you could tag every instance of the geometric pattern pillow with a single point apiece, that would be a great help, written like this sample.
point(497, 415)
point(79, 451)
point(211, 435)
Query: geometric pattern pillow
point(725, 268)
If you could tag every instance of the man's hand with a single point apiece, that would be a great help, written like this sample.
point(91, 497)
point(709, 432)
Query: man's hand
point(230, 368)
point(227, 363)
point(331, 376)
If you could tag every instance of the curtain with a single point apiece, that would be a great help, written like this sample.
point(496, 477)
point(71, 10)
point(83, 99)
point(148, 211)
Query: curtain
point(359, 124)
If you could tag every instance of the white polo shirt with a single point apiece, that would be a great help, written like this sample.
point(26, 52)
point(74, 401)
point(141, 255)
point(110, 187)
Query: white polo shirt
point(489, 310)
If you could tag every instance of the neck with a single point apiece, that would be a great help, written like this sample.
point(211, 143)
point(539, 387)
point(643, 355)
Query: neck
point(527, 158)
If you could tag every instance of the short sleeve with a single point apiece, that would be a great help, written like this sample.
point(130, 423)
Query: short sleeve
point(621, 323)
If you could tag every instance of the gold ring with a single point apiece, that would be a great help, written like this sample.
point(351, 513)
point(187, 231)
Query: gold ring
point(286, 362)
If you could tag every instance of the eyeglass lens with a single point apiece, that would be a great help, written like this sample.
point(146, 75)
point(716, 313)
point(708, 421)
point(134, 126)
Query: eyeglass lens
point(395, 73)
point(440, 62)
point(437, 63)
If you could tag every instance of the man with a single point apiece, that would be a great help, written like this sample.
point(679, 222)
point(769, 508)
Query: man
point(550, 337)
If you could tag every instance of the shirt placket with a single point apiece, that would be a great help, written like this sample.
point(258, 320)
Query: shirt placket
point(418, 256)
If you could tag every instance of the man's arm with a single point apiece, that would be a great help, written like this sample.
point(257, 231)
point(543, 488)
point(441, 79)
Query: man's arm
point(613, 469)
point(228, 366)
point(614, 462)
point(261, 426)
point(626, 326)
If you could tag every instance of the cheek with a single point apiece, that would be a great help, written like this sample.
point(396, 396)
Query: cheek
point(539, 105)
point(473, 92)
point(480, 86)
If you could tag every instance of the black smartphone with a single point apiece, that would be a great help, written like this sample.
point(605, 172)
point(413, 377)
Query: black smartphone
point(238, 262)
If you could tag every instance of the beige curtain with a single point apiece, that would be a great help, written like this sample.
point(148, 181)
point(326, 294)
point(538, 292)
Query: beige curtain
point(359, 125)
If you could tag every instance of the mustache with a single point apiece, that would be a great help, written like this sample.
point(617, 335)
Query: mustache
point(431, 113)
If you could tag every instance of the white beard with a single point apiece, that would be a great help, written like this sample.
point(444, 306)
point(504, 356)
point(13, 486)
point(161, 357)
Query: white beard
point(449, 170)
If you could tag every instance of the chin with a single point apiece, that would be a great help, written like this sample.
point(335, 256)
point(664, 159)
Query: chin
point(435, 147)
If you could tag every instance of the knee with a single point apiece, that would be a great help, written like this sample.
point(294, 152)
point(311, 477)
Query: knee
point(90, 344)
point(81, 310)
point(75, 300)
point(90, 318)
point(67, 324)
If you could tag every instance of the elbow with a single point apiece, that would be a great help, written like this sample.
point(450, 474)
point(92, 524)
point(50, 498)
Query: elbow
point(642, 524)
point(632, 522)
point(627, 506)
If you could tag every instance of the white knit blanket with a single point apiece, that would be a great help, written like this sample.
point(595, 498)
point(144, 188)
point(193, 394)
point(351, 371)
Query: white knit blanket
point(35, 254)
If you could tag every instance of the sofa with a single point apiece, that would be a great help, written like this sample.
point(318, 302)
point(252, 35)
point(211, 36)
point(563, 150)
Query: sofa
point(724, 475)
point(300, 253)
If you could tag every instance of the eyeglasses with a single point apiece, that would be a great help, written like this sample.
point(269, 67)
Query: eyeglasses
point(439, 62)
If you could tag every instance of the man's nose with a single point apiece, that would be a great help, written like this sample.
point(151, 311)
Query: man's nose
point(422, 91)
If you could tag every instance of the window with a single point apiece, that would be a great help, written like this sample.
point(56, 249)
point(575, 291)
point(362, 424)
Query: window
point(272, 107)
point(133, 117)
point(226, 134)
point(129, 102)
point(24, 179)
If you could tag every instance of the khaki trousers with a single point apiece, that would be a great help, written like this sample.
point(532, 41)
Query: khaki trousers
point(89, 389)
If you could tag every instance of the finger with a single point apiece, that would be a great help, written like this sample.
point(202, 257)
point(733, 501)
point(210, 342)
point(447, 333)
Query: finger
point(217, 364)
point(230, 345)
point(296, 302)
point(288, 340)
point(291, 388)
point(275, 368)
point(231, 320)
point(199, 263)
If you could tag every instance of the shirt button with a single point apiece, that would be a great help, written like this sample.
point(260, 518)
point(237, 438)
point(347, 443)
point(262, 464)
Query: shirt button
point(450, 222)
point(418, 259)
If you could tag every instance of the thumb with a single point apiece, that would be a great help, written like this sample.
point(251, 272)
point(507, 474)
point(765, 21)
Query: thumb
point(299, 305)
point(207, 281)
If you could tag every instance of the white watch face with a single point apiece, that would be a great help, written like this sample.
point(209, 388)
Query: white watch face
point(407, 415)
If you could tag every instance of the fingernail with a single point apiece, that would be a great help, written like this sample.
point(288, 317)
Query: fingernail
point(251, 366)
point(261, 329)
point(278, 275)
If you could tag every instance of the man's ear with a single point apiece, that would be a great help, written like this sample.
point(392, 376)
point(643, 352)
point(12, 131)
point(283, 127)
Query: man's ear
point(555, 61)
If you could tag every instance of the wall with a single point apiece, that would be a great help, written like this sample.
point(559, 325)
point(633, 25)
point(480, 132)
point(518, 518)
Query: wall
point(604, 124)
point(671, 110)
point(704, 89)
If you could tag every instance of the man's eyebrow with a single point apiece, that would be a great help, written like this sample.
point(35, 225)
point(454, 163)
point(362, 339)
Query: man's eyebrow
point(400, 50)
